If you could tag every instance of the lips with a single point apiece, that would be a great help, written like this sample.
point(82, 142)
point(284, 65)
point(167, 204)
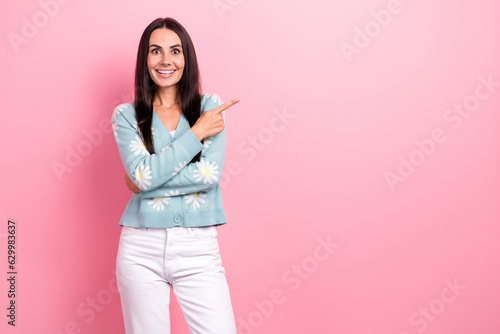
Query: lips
point(165, 73)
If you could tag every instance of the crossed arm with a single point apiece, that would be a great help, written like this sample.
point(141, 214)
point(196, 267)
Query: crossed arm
point(167, 172)
point(203, 175)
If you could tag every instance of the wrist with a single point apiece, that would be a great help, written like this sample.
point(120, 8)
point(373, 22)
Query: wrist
point(200, 138)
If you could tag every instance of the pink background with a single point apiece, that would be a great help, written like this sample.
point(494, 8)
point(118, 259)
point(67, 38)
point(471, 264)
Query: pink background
point(319, 174)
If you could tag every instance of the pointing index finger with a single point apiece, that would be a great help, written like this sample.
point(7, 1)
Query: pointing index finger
point(227, 105)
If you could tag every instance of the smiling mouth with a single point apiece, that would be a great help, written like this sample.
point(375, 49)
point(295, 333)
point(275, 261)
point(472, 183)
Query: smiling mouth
point(165, 74)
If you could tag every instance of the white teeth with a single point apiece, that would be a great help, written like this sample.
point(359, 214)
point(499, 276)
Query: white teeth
point(165, 72)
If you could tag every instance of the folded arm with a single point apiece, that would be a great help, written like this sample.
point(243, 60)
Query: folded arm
point(150, 171)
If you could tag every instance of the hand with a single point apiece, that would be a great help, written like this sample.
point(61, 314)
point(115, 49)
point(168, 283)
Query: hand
point(211, 122)
point(131, 185)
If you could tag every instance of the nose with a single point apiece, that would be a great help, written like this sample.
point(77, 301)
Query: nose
point(166, 60)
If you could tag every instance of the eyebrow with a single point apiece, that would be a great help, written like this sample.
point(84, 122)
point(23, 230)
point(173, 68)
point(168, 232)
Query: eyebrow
point(173, 46)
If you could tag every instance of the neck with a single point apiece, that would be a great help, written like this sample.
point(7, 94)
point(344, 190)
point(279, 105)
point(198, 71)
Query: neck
point(167, 96)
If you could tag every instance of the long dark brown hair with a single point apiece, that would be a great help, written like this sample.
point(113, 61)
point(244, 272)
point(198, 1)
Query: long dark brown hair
point(189, 84)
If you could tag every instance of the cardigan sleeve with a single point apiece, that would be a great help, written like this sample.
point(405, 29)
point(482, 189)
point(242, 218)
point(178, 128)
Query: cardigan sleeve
point(149, 171)
point(203, 175)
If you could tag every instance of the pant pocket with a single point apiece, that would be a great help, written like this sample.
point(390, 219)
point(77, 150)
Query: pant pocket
point(205, 232)
point(129, 230)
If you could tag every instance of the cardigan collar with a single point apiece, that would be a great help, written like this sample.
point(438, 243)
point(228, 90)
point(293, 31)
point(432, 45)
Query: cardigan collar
point(162, 136)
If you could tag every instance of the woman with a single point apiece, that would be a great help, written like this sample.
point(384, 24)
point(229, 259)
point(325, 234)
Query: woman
point(172, 142)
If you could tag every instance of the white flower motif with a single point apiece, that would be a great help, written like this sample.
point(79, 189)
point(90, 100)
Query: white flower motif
point(157, 202)
point(181, 166)
point(206, 171)
point(117, 111)
point(216, 98)
point(138, 146)
point(195, 199)
point(173, 193)
point(142, 175)
point(207, 141)
point(153, 131)
point(115, 127)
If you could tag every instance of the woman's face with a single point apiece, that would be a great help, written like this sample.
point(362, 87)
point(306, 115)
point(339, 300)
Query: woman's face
point(165, 57)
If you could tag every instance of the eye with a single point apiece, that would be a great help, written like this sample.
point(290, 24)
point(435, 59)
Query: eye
point(153, 51)
point(176, 51)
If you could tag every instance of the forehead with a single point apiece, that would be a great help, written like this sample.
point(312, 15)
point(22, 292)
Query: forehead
point(164, 37)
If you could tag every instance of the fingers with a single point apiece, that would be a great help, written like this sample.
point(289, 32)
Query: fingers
point(227, 105)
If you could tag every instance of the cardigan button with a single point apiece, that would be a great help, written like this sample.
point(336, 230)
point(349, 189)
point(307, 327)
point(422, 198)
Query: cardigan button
point(177, 219)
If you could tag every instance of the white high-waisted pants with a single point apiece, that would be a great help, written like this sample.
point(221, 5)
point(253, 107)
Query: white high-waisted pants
point(150, 260)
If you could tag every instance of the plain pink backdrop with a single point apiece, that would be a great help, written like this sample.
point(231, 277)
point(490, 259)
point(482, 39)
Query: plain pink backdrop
point(335, 96)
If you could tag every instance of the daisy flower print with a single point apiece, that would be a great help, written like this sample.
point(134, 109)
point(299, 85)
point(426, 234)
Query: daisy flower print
point(207, 171)
point(142, 175)
point(138, 146)
point(181, 166)
point(158, 203)
point(195, 199)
